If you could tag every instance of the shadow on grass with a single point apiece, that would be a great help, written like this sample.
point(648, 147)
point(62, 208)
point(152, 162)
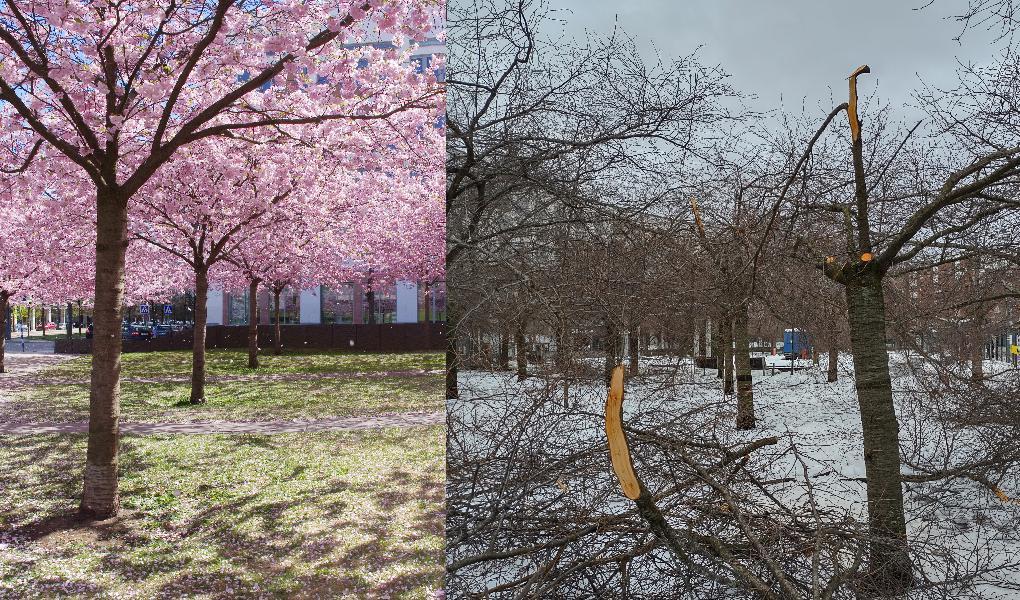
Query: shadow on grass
point(301, 533)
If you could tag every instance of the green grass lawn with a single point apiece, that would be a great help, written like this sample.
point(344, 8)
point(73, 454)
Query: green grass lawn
point(236, 400)
point(235, 362)
point(312, 515)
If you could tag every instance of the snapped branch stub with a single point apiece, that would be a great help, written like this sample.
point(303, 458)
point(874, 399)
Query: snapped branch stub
point(855, 124)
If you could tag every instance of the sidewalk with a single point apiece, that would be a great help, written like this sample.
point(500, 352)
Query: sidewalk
point(412, 419)
point(29, 346)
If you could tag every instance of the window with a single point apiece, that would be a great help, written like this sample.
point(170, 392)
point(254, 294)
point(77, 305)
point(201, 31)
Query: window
point(434, 299)
point(290, 307)
point(237, 309)
point(337, 304)
point(385, 303)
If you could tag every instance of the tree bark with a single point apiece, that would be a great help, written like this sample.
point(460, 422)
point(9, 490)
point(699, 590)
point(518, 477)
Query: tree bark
point(427, 299)
point(198, 346)
point(833, 363)
point(977, 351)
point(635, 352)
point(717, 349)
point(277, 337)
point(504, 351)
point(520, 348)
point(100, 496)
point(742, 354)
point(727, 355)
point(611, 342)
point(890, 566)
point(452, 359)
point(253, 324)
point(702, 337)
point(370, 298)
point(5, 307)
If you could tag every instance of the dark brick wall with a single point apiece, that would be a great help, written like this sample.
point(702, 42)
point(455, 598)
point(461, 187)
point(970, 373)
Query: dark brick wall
point(403, 337)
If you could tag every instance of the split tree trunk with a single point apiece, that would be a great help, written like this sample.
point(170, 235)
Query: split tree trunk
point(277, 338)
point(253, 324)
point(742, 354)
point(198, 345)
point(833, 363)
point(100, 497)
point(520, 348)
point(5, 307)
point(890, 566)
point(635, 352)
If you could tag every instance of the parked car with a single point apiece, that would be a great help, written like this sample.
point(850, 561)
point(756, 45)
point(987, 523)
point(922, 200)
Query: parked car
point(136, 332)
point(161, 331)
point(50, 326)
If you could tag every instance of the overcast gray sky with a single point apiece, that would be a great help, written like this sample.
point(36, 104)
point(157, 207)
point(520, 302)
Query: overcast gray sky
point(791, 50)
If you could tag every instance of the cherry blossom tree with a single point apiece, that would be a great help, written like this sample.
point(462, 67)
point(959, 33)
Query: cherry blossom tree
point(117, 89)
point(204, 206)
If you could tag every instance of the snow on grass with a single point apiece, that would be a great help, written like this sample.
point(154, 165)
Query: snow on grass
point(953, 525)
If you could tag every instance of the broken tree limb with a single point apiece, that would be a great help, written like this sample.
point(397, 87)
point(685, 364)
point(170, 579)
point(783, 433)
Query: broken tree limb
point(619, 454)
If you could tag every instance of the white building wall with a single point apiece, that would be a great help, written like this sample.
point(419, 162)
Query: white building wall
point(311, 306)
point(214, 307)
point(407, 302)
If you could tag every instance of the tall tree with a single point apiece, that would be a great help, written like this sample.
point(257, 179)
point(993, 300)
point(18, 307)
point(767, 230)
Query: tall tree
point(118, 89)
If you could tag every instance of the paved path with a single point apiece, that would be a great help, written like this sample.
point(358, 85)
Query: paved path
point(31, 346)
point(23, 379)
point(411, 419)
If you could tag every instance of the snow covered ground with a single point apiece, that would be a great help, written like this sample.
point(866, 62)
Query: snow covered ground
point(962, 520)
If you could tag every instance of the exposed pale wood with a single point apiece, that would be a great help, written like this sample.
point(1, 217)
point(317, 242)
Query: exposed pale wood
point(855, 124)
point(619, 454)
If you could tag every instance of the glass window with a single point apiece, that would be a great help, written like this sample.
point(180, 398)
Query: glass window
point(237, 309)
point(337, 304)
point(438, 302)
point(290, 307)
point(385, 303)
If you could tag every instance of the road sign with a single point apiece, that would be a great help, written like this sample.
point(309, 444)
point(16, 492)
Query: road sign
point(144, 309)
point(168, 310)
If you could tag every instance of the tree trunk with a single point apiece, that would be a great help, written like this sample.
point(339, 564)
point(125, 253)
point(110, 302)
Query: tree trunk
point(701, 338)
point(717, 349)
point(198, 346)
point(253, 324)
point(833, 363)
point(742, 354)
point(370, 297)
point(5, 322)
point(504, 351)
point(635, 352)
point(522, 352)
point(452, 359)
point(610, 351)
point(277, 337)
point(727, 355)
point(427, 299)
point(890, 566)
point(977, 351)
point(100, 497)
